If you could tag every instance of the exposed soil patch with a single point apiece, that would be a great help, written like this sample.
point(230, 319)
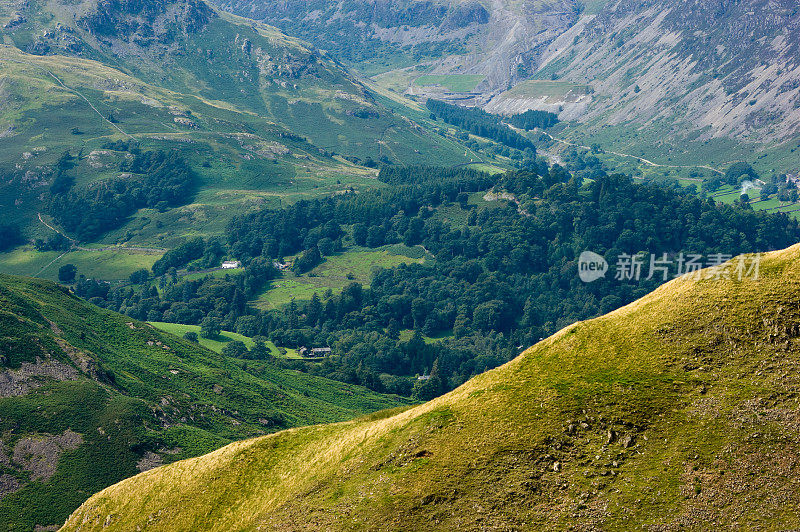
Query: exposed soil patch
point(150, 460)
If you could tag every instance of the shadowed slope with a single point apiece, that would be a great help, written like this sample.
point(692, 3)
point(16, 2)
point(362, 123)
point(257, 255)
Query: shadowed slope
point(89, 397)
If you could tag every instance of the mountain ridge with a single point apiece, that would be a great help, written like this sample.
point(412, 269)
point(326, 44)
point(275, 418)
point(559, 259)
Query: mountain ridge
point(658, 414)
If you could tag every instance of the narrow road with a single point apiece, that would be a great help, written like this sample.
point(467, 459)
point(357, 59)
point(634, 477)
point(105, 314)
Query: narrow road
point(640, 159)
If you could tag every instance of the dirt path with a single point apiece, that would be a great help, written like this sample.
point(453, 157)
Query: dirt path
point(640, 159)
point(74, 91)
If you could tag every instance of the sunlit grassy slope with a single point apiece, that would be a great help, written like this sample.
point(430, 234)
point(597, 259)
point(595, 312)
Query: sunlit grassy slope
point(679, 410)
point(129, 392)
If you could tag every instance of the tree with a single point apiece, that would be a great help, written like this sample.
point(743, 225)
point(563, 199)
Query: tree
point(739, 172)
point(430, 388)
point(235, 349)
point(67, 273)
point(210, 327)
point(10, 236)
point(191, 336)
point(139, 276)
point(260, 351)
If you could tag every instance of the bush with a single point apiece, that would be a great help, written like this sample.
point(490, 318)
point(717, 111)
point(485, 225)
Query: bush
point(191, 336)
point(66, 273)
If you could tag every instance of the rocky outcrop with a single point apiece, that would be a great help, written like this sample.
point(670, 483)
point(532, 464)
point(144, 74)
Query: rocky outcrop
point(40, 454)
point(16, 382)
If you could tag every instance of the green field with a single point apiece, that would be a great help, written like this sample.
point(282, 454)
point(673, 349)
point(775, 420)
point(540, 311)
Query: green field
point(216, 344)
point(109, 265)
point(335, 273)
point(453, 82)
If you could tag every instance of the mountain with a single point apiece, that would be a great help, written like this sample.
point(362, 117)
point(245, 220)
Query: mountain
point(89, 397)
point(259, 116)
point(678, 410)
point(493, 39)
point(698, 82)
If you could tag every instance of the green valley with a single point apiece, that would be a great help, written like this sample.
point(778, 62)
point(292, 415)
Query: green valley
point(89, 397)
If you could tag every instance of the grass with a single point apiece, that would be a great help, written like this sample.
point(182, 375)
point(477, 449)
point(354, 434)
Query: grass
point(110, 265)
point(453, 82)
point(129, 389)
point(336, 272)
point(216, 344)
point(671, 411)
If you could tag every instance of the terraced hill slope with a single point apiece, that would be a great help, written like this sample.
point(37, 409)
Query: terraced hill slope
point(679, 410)
point(89, 397)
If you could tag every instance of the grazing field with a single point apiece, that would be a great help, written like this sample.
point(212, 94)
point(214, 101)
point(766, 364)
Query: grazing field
point(106, 264)
point(335, 273)
point(216, 344)
point(453, 82)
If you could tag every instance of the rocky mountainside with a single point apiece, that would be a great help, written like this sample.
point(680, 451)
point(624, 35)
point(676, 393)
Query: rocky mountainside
point(687, 70)
point(89, 397)
point(497, 39)
point(724, 69)
point(677, 411)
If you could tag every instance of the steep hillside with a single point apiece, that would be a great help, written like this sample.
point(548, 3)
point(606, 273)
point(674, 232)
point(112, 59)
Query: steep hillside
point(260, 116)
point(679, 410)
point(496, 40)
point(89, 397)
point(721, 70)
point(698, 82)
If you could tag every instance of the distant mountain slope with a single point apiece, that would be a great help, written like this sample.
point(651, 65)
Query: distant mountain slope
point(724, 69)
point(679, 410)
point(704, 81)
point(258, 114)
point(496, 39)
point(89, 397)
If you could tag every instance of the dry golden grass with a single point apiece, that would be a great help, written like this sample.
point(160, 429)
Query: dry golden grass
point(679, 410)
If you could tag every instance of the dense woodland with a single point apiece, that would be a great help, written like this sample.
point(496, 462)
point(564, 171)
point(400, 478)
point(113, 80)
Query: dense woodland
point(153, 179)
point(479, 122)
point(501, 279)
point(532, 119)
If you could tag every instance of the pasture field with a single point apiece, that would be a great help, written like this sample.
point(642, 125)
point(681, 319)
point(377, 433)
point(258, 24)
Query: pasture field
point(335, 273)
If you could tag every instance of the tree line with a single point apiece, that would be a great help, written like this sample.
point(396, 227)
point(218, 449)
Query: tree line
point(478, 122)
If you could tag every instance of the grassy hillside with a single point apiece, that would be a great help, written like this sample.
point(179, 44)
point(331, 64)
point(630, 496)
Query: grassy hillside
point(260, 117)
point(89, 397)
point(678, 410)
